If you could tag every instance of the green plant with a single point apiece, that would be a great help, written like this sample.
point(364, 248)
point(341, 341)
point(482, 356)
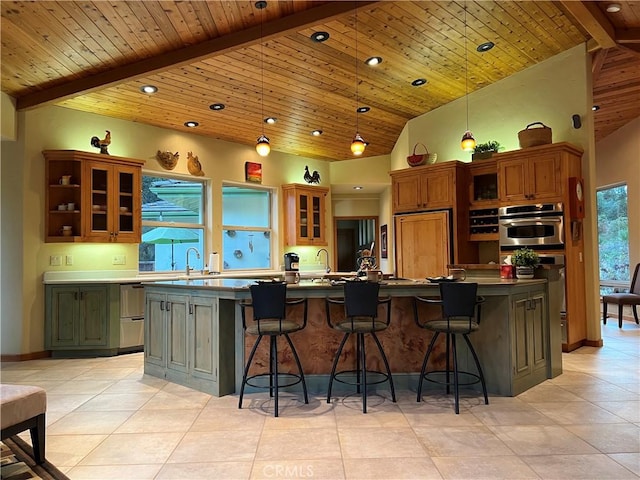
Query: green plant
point(491, 146)
point(525, 257)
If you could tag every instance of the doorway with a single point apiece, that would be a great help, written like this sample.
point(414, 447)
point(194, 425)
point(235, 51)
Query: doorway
point(352, 235)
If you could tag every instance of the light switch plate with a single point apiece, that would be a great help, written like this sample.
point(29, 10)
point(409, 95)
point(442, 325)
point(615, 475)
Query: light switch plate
point(119, 259)
point(68, 260)
point(55, 260)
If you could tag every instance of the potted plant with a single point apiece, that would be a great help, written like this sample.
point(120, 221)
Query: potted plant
point(486, 150)
point(525, 260)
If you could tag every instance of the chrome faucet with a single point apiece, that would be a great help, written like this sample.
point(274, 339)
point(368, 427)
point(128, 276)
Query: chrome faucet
point(188, 268)
point(326, 265)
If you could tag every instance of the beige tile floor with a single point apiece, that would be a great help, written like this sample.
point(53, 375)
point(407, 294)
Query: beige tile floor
point(108, 420)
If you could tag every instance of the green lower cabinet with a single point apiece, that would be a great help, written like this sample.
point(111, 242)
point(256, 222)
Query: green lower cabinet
point(81, 319)
point(183, 341)
point(529, 350)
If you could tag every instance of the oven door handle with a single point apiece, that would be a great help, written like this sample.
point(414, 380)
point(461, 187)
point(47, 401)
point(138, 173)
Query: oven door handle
point(534, 221)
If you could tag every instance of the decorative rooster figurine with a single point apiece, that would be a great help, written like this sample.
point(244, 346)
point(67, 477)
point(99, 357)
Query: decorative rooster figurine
point(311, 178)
point(102, 144)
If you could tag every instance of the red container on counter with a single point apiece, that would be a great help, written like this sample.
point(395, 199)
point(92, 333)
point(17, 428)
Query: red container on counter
point(506, 271)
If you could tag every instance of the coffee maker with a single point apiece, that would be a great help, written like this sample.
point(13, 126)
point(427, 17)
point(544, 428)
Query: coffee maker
point(291, 262)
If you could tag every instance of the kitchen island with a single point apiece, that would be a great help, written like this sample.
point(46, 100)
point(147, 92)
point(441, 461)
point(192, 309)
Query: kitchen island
point(194, 334)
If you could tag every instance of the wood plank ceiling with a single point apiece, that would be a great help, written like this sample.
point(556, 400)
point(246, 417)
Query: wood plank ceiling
point(95, 55)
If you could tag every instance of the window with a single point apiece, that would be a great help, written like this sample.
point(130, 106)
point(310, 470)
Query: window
point(613, 238)
point(246, 227)
point(173, 213)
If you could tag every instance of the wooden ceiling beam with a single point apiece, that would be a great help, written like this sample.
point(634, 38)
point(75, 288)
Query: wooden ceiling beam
point(596, 63)
point(631, 35)
point(593, 21)
point(190, 54)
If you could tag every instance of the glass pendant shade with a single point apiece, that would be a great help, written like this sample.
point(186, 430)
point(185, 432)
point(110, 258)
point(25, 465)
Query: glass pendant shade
point(357, 145)
point(468, 143)
point(262, 147)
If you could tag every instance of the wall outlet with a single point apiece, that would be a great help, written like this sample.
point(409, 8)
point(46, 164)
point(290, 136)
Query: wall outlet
point(68, 260)
point(55, 260)
point(119, 259)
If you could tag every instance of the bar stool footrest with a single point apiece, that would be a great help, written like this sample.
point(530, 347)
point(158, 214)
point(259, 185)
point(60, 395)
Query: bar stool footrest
point(474, 378)
point(294, 379)
point(354, 373)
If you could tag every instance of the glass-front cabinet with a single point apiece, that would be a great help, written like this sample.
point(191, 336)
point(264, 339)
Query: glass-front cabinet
point(113, 202)
point(304, 215)
point(92, 197)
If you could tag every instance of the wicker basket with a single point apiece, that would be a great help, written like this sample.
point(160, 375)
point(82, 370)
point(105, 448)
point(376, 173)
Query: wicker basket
point(417, 159)
point(530, 137)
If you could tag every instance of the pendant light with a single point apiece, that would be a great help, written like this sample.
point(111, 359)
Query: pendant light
point(358, 144)
point(262, 146)
point(468, 143)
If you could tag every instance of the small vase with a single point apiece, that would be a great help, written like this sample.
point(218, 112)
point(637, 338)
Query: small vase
point(524, 272)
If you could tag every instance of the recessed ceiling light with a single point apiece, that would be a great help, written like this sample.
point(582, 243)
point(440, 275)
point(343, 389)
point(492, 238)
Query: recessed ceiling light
point(316, 133)
point(260, 4)
point(270, 120)
point(191, 124)
point(595, 108)
point(148, 89)
point(373, 61)
point(358, 187)
point(613, 8)
point(485, 47)
point(419, 81)
point(217, 106)
point(362, 109)
point(320, 36)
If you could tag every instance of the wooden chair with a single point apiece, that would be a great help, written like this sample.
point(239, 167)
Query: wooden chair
point(621, 299)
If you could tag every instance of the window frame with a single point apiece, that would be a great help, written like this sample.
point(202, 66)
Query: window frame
point(272, 220)
point(203, 226)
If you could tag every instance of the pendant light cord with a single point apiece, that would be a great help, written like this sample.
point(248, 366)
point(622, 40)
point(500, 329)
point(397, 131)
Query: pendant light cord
point(262, 71)
point(356, 30)
point(466, 64)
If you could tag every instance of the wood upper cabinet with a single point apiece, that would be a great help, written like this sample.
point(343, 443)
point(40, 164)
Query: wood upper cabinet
point(304, 215)
point(113, 201)
point(428, 187)
point(537, 177)
point(413, 233)
point(105, 193)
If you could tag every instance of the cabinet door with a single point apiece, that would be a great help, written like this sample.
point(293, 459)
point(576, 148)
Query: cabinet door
point(513, 180)
point(406, 193)
point(544, 178)
point(537, 311)
point(317, 231)
point(155, 331)
point(93, 321)
point(422, 244)
point(98, 202)
point(437, 191)
point(204, 347)
point(177, 342)
point(521, 346)
point(63, 317)
point(126, 205)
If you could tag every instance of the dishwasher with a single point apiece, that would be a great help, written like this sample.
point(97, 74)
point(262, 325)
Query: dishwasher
point(131, 318)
